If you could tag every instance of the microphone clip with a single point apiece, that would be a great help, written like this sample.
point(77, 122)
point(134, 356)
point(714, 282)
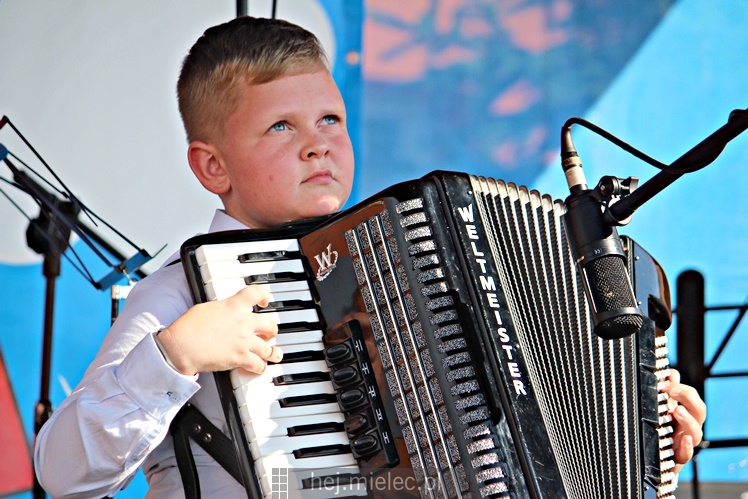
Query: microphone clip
point(610, 190)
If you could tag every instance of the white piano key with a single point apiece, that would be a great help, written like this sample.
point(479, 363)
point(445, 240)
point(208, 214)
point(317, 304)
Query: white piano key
point(231, 251)
point(240, 377)
point(265, 428)
point(303, 347)
point(328, 492)
point(284, 286)
point(219, 289)
point(271, 409)
point(228, 269)
point(281, 445)
point(265, 464)
point(269, 391)
point(299, 295)
point(325, 487)
point(299, 338)
point(290, 316)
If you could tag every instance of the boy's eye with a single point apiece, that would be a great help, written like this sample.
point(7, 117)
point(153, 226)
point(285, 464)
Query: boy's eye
point(279, 127)
point(330, 120)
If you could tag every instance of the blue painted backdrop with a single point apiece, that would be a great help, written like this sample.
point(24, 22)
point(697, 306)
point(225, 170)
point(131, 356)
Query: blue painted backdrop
point(484, 87)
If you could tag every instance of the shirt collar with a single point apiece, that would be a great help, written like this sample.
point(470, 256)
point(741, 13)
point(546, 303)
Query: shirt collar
point(222, 221)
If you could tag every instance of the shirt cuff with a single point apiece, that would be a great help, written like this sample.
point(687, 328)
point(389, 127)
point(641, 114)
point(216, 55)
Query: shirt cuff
point(148, 380)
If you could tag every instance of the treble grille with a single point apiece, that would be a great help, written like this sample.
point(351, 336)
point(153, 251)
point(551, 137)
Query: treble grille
point(409, 364)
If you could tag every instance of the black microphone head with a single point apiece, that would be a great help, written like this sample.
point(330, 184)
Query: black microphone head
point(614, 305)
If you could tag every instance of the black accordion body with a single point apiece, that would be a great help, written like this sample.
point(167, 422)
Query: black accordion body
point(438, 343)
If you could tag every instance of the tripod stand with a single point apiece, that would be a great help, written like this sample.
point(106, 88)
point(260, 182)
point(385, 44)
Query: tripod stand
point(49, 235)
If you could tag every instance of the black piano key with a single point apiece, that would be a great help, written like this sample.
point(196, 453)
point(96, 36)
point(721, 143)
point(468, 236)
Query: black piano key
point(280, 306)
point(264, 256)
point(303, 356)
point(324, 450)
point(297, 327)
point(314, 399)
point(277, 277)
point(297, 379)
point(314, 429)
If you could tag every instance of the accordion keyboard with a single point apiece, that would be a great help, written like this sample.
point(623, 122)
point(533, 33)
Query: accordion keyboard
point(289, 412)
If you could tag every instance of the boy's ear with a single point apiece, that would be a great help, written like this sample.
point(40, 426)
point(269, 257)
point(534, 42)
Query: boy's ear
point(207, 165)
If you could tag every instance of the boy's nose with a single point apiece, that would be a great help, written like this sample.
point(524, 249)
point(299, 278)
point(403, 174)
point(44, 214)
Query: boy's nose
point(315, 146)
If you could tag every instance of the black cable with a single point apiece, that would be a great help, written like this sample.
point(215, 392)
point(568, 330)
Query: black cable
point(694, 162)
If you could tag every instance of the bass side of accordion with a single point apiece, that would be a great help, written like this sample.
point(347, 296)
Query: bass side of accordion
point(437, 343)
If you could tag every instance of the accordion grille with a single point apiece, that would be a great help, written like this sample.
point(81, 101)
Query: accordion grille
point(588, 397)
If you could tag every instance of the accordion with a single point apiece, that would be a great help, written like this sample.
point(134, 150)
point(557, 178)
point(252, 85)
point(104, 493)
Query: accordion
point(438, 343)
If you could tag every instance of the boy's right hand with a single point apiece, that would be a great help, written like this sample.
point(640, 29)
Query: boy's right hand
point(222, 335)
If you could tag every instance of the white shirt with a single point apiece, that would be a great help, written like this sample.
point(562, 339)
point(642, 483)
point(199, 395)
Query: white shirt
point(117, 419)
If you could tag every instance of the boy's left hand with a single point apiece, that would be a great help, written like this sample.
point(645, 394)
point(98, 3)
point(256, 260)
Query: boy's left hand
point(689, 415)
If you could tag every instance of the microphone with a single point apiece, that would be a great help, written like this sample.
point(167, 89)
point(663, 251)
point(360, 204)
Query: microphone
point(598, 254)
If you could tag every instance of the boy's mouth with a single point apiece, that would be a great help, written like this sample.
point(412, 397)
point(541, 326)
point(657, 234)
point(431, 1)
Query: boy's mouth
point(320, 177)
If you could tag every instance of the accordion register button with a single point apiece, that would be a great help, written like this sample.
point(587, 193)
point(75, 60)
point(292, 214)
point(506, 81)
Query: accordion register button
point(352, 399)
point(345, 376)
point(339, 354)
point(364, 445)
point(356, 423)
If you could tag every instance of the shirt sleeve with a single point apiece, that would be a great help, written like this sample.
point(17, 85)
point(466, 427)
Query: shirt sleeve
point(99, 436)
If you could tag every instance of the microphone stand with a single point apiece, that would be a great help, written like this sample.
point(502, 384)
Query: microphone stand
point(699, 156)
point(43, 410)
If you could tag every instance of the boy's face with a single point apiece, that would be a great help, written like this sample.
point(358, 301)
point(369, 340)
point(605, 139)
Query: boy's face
point(286, 153)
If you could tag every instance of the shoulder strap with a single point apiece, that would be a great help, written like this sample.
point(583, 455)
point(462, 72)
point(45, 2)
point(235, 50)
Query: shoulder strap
point(191, 423)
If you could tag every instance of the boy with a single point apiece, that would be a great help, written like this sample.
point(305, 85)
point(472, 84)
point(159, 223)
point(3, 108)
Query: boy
point(267, 133)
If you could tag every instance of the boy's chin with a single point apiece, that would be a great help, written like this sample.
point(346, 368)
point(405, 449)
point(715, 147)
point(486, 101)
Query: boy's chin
point(323, 208)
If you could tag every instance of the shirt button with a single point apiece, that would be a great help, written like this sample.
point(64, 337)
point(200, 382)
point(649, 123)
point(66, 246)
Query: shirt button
point(173, 397)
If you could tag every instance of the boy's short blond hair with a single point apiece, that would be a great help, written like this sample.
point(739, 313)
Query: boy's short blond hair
point(228, 57)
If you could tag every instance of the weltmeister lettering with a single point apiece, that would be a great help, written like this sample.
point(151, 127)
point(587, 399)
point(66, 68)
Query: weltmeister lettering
point(488, 286)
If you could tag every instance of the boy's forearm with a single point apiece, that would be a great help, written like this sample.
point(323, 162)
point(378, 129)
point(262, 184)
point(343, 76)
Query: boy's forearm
point(100, 435)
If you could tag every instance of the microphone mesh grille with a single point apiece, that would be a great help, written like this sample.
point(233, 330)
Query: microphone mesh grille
point(608, 281)
point(608, 276)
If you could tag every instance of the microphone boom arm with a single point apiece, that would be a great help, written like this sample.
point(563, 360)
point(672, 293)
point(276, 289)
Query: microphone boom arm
point(698, 157)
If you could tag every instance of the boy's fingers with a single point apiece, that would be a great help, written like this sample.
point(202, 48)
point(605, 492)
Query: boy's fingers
point(265, 326)
point(254, 363)
point(269, 353)
point(684, 449)
point(257, 359)
point(254, 295)
point(689, 398)
point(688, 425)
point(276, 355)
point(683, 452)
